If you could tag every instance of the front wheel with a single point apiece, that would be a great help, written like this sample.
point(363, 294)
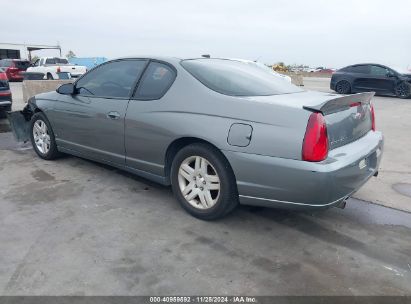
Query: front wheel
point(403, 90)
point(203, 182)
point(42, 137)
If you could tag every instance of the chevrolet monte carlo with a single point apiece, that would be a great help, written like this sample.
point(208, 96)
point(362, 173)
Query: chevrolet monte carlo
point(219, 131)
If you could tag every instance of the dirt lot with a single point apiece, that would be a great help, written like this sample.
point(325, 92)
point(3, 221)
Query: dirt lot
point(74, 227)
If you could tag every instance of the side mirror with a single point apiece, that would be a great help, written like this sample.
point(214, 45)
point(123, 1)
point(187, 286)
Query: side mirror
point(66, 89)
point(391, 74)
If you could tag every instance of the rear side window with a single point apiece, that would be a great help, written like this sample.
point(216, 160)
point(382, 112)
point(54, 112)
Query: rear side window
point(360, 69)
point(157, 79)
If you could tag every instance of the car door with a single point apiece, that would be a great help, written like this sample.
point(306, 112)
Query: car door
point(145, 136)
point(91, 122)
point(380, 80)
point(360, 77)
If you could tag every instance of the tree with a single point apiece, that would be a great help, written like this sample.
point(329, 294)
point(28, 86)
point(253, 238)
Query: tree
point(70, 54)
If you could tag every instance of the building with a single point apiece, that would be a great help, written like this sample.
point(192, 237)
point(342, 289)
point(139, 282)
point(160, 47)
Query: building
point(22, 51)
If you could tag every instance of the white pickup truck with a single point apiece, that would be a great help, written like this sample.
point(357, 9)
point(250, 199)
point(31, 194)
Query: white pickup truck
point(51, 67)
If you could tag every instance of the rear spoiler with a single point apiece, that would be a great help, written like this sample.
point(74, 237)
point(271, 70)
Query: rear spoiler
point(341, 103)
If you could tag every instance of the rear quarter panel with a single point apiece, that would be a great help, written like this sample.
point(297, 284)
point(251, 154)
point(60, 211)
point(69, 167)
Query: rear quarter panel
point(189, 109)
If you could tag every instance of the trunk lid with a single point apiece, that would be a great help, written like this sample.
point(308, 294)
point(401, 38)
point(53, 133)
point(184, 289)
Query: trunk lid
point(348, 118)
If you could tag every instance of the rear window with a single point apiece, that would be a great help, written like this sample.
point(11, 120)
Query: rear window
point(5, 63)
point(56, 61)
point(22, 65)
point(236, 78)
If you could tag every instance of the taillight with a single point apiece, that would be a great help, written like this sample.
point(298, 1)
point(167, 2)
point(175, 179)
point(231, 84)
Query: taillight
point(372, 118)
point(5, 93)
point(315, 144)
point(58, 69)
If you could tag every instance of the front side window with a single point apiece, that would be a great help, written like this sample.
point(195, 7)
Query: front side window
point(378, 71)
point(236, 78)
point(155, 82)
point(113, 79)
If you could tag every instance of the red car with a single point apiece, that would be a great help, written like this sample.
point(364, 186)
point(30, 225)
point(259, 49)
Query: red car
point(14, 68)
point(5, 94)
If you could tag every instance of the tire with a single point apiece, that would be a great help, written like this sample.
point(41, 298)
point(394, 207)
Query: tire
point(403, 90)
point(207, 203)
point(49, 76)
point(42, 137)
point(4, 110)
point(343, 87)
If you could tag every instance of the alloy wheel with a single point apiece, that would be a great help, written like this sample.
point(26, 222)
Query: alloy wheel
point(199, 182)
point(343, 87)
point(402, 90)
point(41, 136)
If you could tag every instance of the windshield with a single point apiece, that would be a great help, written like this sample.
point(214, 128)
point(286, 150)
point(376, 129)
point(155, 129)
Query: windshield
point(401, 70)
point(236, 78)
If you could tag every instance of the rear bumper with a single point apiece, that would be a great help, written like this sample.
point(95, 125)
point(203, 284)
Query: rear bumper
point(287, 183)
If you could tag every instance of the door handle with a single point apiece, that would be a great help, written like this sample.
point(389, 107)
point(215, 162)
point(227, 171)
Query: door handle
point(113, 115)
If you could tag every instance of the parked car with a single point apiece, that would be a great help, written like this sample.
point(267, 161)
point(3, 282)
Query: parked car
point(371, 77)
point(51, 67)
point(220, 132)
point(325, 71)
point(14, 68)
point(5, 94)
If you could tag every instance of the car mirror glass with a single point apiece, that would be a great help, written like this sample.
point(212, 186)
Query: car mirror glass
point(66, 89)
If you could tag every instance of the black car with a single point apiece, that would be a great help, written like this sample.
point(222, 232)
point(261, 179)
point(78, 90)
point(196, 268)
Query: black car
point(371, 77)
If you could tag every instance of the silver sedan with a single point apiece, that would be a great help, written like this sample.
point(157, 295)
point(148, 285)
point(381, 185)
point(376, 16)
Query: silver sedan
point(220, 132)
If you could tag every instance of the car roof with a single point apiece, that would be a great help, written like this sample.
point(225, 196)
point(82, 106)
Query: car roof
point(357, 64)
point(176, 59)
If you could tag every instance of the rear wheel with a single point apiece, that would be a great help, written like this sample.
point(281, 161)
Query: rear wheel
point(42, 137)
point(343, 87)
point(203, 182)
point(403, 90)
